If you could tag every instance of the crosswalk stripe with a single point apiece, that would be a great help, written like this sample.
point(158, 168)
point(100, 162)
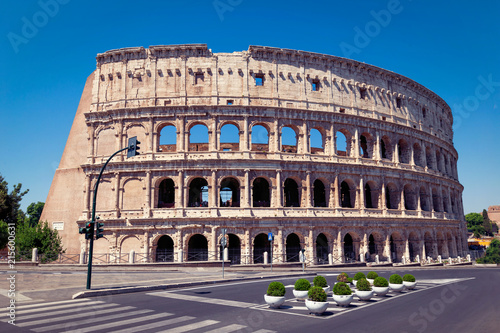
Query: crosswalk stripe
point(205, 299)
point(120, 323)
point(89, 321)
point(190, 327)
point(74, 316)
point(61, 312)
point(227, 329)
point(264, 331)
point(154, 325)
point(29, 306)
point(62, 306)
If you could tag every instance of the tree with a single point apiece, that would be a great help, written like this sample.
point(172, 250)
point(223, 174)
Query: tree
point(39, 236)
point(492, 253)
point(10, 202)
point(474, 219)
point(487, 223)
point(34, 211)
point(4, 234)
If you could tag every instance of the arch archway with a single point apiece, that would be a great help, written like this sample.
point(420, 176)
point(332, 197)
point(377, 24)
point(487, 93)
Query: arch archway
point(234, 249)
point(166, 194)
point(165, 249)
point(349, 249)
point(396, 246)
point(322, 249)
point(291, 193)
point(413, 245)
point(198, 193)
point(197, 248)
point(260, 193)
point(229, 193)
point(260, 245)
point(319, 194)
point(292, 248)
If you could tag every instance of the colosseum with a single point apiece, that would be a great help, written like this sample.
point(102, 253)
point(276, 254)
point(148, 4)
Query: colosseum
point(339, 160)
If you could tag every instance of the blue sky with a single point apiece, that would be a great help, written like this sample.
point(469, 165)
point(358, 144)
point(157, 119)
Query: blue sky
point(47, 52)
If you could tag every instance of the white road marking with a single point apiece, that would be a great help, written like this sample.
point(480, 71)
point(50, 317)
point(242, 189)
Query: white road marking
point(200, 299)
point(62, 312)
point(63, 306)
point(52, 303)
point(227, 329)
point(154, 325)
point(190, 327)
point(19, 297)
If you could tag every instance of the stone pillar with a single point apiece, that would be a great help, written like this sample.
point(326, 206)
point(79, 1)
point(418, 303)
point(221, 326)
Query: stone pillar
point(331, 142)
point(309, 245)
point(336, 197)
point(308, 190)
point(387, 248)
point(407, 249)
point(377, 153)
point(306, 136)
point(246, 144)
point(181, 191)
point(275, 146)
point(331, 195)
point(278, 246)
point(340, 246)
point(356, 144)
point(149, 202)
point(402, 201)
point(395, 155)
point(279, 190)
point(247, 250)
point(213, 245)
point(212, 196)
point(247, 198)
point(361, 194)
point(181, 135)
point(117, 194)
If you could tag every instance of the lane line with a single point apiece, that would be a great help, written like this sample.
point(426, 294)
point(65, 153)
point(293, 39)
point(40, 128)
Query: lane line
point(200, 299)
point(154, 325)
point(190, 327)
point(61, 312)
point(52, 303)
point(63, 306)
point(227, 329)
point(119, 323)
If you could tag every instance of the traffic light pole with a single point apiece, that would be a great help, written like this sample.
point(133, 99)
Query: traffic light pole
point(91, 245)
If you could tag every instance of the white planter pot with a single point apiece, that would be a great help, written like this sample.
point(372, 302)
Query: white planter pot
point(316, 307)
point(381, 291)
point(343, 300)
point(364, 295)
point(326, 289)
point(409, 285)
point(274, 302)
point(354, 282)
point(371, 281)
point(396, 287)
point(300, 294)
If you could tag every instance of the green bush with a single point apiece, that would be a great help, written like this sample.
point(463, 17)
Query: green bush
point(396, 279)
point(359, 276)
point(380, 282)
point(276, 289)
point(363, 285)
point(349, 280)
point(341, 288)
point(492, 255)
point(302, 284)
point(408, 278)
point(317, 294)
point(371, 275)
point(342, 277)
point(320, 281)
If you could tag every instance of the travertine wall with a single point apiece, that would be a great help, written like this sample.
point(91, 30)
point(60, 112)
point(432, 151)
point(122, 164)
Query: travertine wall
point(394, 190)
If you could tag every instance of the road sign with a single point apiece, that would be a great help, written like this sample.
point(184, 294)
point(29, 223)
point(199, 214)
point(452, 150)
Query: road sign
point(270, 237)
point(223, 242)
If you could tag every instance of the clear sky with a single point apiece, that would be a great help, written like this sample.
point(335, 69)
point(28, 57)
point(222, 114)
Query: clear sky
point(47, 51)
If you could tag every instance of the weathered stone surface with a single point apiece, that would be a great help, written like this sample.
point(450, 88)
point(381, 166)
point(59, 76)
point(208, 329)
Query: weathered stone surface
point(393, 191)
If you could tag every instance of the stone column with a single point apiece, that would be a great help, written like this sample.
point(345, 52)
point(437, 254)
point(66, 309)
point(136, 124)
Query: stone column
point(278, 248)
point(340, 246)
point(377, 153)
point(383, 196)
point(213, 245)
point(180, 202)
point(182, 137)
point(356, 144)
point(247, 199)
point(306, 137)
point(361, 194)
point(246, 144)
point(275, 145)
point(395, 155)
point(279, 191)
point(308, 190)
point(149, 202)
point(212, 201)
point(387, 247)
point(248, 248)
point(336, 197)
point(117, 194)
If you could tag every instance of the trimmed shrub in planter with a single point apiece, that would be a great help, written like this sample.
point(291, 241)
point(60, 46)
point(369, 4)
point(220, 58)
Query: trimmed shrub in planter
point(276, 289)
point(316, 303)
point(380, 286)
point(275, 295)
point(301, 288)
point(396, 282)
point(350, 280)
point(371, 276)
point(359, 275)
point(342, 277)
point(342, 294)
point(364, 291)
point(409, 281)
point(320, 281)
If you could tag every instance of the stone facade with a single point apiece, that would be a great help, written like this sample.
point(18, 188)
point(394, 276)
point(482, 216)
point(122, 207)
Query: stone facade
point(389, 190)
point(494, 214)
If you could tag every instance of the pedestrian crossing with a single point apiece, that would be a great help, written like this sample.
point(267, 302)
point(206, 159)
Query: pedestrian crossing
point(87, 315)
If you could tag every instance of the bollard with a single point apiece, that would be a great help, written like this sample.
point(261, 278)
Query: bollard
point(179, 256)
point(439, 259)
point(417, 258)
point(225, 255)
point(330, 259)
point(468, 257)
point(361, 257)
point(377, 260)
point(82, 257)
point(266, 261)
point(131, 257)
point(459, 259)
point(34, 255)
point(403, 260)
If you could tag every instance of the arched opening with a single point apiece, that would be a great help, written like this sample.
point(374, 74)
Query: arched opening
point(168, 139)
point(372, 247)
point(409, 196)
point(436, 201)
point(392, 196)
point(396, 245)
point(440, 245)
point(319, 194)
point(424, 200)
point(365, 146)
point(385, 148)
point(413, 246)
point(261, 244)
point(342, 145)
point(349, 251)
point(198, 138)
point(345, 195)
point(165, 249)
point(260, 193)
point(292, 248)
point(452, 249)
point(428, 245)
point(417, 155)
point(234, 249)
point(291, 191)
point(166, 194)
point(438, 161)
point(322, 249)
point(446, 207)
point(197, 248)
point(317, 143)
point(229, 138)
point(288, 140)
point(403, 151)
point(429, 158)
point(198, 193)
point(229, 193)
point(370, 196)
point(260, 138)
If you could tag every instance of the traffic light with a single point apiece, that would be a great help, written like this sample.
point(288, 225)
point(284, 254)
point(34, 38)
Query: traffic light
point(99, 230)
point(133, 147)
point(88, 230)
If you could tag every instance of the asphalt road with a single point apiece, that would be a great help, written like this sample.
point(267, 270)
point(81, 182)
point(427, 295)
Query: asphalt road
point(440, 304)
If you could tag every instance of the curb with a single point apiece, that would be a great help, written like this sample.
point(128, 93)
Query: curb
point(127, 290)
